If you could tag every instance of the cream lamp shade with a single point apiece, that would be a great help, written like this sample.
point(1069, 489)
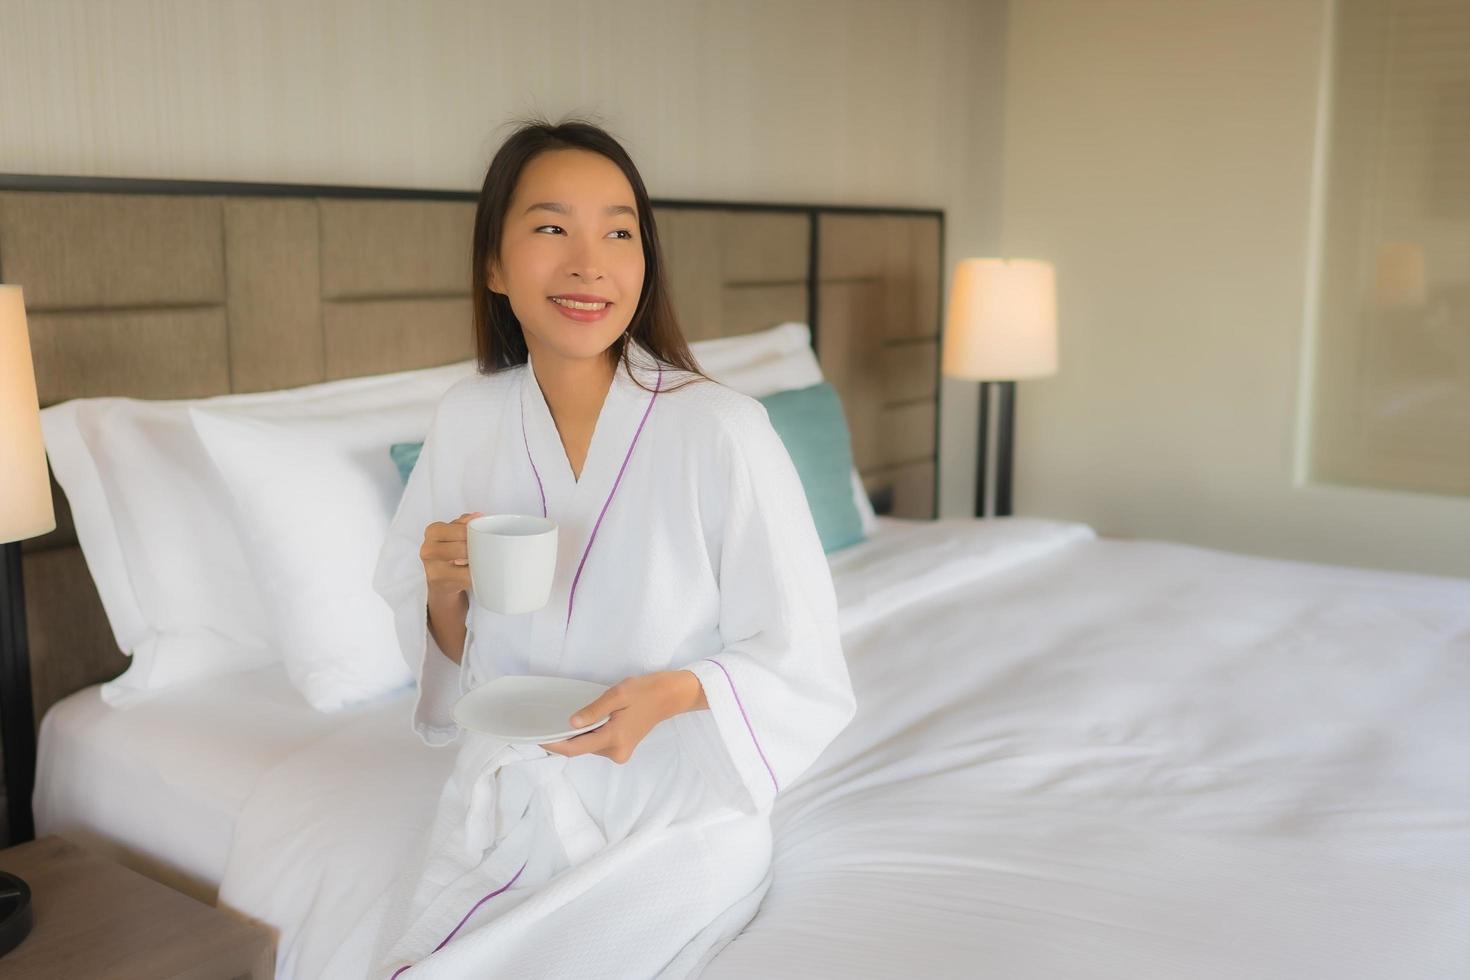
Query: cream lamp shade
point(25, 491)
point(1002, 320)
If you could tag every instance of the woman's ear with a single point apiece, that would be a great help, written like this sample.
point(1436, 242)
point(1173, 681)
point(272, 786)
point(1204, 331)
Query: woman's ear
point(492, 277)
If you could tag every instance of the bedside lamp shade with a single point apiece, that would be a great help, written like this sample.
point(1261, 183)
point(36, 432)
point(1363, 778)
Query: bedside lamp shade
point(1002, 320)
point(25, 491)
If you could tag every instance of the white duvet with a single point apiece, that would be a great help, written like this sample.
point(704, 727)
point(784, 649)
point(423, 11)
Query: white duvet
point(1072, 757)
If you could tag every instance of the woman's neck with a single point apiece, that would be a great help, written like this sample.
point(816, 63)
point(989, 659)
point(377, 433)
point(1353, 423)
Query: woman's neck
point(574, 388)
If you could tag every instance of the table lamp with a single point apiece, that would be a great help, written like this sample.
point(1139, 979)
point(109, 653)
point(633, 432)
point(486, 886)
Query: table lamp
point(1001, 327)
point(25, 512)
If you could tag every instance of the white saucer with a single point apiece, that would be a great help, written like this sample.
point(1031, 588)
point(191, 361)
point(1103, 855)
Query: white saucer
point(527, 708)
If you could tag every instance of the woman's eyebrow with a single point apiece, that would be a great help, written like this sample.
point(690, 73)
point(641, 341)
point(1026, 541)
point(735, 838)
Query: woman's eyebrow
point(560, 208)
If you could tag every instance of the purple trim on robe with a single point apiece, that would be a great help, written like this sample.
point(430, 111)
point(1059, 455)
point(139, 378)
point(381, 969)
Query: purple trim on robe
point(658, 386)
point(747, 722)
point(531, 459)
point(466, 918)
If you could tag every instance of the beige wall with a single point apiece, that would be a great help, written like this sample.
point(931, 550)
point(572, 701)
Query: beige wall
point(838, 101)
point(1162, 154)
point(1159, 151)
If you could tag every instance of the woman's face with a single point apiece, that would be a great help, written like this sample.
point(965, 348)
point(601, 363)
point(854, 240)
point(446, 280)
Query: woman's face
point(571, 234)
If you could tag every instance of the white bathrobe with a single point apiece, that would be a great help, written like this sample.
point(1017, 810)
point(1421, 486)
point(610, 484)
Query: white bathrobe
point(686, 543)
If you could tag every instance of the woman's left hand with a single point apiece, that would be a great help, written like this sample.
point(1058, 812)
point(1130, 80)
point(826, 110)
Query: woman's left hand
point(633, 706)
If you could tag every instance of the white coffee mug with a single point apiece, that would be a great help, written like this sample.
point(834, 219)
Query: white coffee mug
point(512, 561)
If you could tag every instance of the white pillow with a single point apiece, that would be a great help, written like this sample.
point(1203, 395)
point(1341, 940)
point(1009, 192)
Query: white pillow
point(761, 363)
point(765, 362)
point(76, 472)
point(312, 502)
point(151, 519)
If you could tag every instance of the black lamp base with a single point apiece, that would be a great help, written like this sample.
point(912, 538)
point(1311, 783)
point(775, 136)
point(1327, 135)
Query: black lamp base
point(1005, 429)
point(17, 713)
point(15, 912)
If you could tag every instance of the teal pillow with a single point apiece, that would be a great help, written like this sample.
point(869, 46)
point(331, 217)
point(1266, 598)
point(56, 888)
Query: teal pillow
point(405, 454)
point(813, 429)
point(811, 424)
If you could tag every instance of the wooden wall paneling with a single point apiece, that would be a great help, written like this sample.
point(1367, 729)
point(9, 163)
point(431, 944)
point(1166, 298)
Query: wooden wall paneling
point(273, 292)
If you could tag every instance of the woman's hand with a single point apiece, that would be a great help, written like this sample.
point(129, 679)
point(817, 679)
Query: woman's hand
point(446, 557)
point(633, 706)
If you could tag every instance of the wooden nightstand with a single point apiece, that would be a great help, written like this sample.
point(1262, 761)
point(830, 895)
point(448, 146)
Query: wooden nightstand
point(94, 918)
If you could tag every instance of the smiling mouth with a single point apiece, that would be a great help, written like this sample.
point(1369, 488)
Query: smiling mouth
point(581, 311)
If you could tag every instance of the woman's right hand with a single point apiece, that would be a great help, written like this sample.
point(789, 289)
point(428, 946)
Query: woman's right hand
point(446, 557)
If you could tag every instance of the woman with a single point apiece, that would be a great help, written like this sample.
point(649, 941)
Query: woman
point(689, 577)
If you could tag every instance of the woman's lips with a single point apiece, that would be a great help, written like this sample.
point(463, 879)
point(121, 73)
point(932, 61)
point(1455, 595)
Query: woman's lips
point(581, 316)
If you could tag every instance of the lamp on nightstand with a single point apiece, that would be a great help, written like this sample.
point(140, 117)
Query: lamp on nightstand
point(25, 512)
point(1001, 327)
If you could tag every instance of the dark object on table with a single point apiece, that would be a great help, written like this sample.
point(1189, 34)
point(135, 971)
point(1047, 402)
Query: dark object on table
point(15, 912)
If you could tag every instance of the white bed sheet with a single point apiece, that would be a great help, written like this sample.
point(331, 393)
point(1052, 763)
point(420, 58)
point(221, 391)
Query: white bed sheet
point(158, 787)
point(1136, 759)
point(1072, 757)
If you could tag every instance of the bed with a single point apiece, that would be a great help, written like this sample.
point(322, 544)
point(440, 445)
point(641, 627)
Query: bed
point(1073, 755)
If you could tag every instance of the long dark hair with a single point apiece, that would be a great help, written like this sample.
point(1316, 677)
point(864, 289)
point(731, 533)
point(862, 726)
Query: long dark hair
point(499, 340)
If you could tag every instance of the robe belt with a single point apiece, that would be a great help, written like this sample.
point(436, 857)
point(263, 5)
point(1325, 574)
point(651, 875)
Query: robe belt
point(501, 782)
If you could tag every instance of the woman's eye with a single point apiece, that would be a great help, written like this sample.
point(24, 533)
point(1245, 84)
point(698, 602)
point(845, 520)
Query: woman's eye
point(627, 235)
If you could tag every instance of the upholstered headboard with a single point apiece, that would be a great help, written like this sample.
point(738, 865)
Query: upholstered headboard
point(186, 289)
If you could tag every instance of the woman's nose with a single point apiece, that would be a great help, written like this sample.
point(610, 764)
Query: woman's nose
point(584, 261)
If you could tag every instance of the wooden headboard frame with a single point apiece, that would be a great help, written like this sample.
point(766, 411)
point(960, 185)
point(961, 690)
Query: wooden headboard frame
point(183, 289)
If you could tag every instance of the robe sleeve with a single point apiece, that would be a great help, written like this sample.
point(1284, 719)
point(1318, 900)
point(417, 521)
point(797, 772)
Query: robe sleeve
point(778, 690)
point(399, 579)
